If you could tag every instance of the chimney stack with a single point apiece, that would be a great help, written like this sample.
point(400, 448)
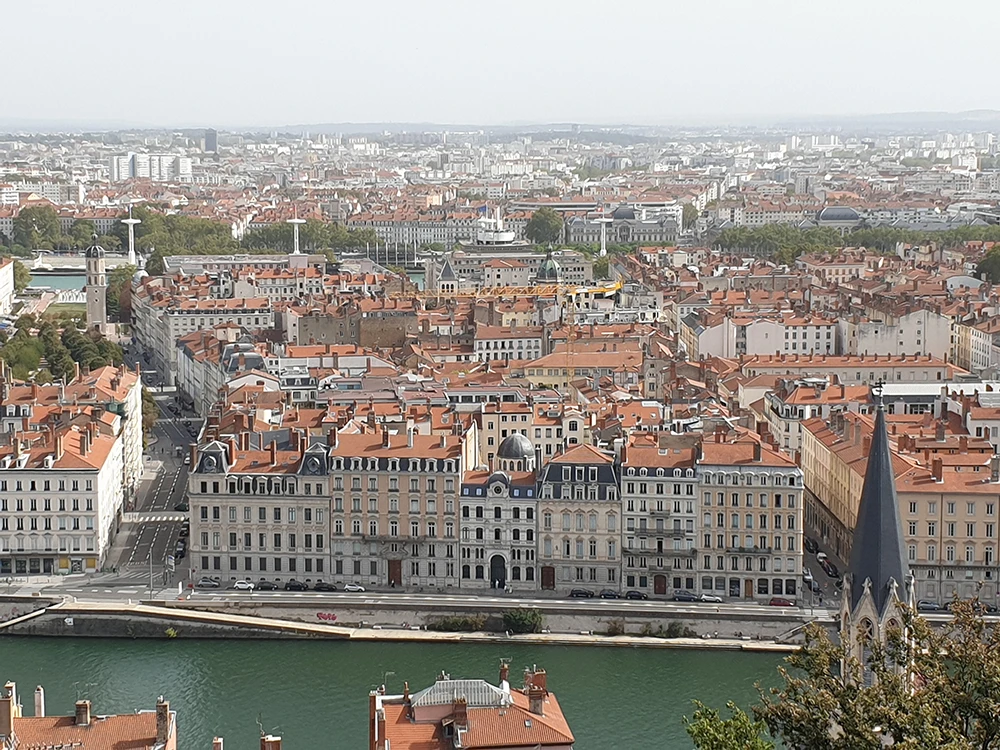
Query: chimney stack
point(39, 701)
point(756, 451)
point(385, 436)
point(504, 672)
point(866, 445)
point(939, 431)
point(409, 436)
point(83, 713)
point(937, 469)
point(162, 720)
point(963, 444)
point(270, 742)
point(460, 712)
point(274, 452)
point(536, 690)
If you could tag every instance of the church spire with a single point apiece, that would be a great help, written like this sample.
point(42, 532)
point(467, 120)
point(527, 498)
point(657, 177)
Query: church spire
point(878, 556)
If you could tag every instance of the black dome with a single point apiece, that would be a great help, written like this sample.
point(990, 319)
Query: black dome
point(838, 213)
point(95, 250)
point(623, 212)
point(516, 446)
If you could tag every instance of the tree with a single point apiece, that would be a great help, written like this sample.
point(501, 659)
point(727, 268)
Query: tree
point(528, 620)
point(709, 731)
point(22, 276)
point(601, 269)
point(689, 215)
point(81, 233)
point(150, 413)
point(949, 703)
point(37, 227)
point(118, 279)
point(989, 267)
point(544, 226)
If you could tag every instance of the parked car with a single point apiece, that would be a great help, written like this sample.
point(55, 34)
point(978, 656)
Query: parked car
point(263, 585)
point(324, 586)
point(581, 594)
point(354, 588)
point(777, 601)
point(187, 460)
point(821, 556)
point(207, 583)
point(243, 586)
point(180, 553)
point(927, 606)
point(609, 594)
point(293, 585)
point(811, 545)
point(680, 595)
point(710, 599)
point(830, 569)
point(807, 575)
point(185, 531)
point(636, 595)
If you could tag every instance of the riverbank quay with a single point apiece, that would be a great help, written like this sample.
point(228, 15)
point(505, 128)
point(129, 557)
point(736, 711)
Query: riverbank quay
point(34, 616)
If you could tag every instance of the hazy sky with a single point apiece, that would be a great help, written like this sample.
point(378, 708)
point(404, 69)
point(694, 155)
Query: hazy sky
point(228, 63)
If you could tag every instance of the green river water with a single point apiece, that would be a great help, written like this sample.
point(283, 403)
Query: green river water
point(315, 694)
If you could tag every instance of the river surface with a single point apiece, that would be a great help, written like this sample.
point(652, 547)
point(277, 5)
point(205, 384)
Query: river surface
point(315, 693)
point(58, 281)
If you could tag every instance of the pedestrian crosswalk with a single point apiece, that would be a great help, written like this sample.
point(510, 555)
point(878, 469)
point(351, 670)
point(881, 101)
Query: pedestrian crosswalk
point(154, 517)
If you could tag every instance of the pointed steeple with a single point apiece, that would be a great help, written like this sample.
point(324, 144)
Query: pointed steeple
point(878, 556)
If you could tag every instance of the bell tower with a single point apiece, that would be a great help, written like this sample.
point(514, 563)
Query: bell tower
point(878, 588)
point(97, 288)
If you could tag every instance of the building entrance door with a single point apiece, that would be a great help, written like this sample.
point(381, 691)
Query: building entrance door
point(548, 578)
point(659, 585)
point(498, 572)
point(395, 573)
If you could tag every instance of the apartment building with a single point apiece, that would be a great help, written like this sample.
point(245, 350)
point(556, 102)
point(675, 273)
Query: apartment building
point(853, 369)
point(549, 426)
point(580, 528)
point(61, 496)
point(508, 342)
point(947, 487)
point(6, 285)
point(260, 514)
point(659, 491)
point(499, 521)
point(794, 401)
point(751, 520)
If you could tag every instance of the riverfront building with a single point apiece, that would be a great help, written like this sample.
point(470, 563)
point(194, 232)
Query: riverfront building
point(70, 461)
point(472, 713)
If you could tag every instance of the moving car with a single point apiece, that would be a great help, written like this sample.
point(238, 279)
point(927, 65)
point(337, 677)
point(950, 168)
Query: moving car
point(324, 586)
point(680, 595)
point(185, 531)
point(710, 598)
point(182, 506)
point(207, 583)
point(243, 586)
point(777, 601)
point(821, 556)
point(581, 594)
point(354, 588)
point(636, 595)
point(811, 545)
point(927, 606)
point(815, 587)
point(609, 594)
point(293, 585)
point(807, 575)
point(266, 586)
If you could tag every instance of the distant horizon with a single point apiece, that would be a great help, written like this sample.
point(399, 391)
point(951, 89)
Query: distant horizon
point(913, 118)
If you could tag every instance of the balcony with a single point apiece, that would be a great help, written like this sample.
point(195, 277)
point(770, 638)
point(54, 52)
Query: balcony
point(755, 550)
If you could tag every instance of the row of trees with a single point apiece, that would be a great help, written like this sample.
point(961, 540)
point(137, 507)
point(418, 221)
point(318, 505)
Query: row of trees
point(53, 354)
point(314, 236)
point(951, 701)
point(39, 228)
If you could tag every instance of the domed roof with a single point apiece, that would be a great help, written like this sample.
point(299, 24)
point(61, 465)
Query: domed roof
point(623, 212)
point(95, 250)
point(516, 446)
point(838, 213)
point(549, 270)
point(498, 476)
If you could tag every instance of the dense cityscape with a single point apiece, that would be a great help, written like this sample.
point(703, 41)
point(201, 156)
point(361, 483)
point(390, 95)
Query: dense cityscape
point(627, 387)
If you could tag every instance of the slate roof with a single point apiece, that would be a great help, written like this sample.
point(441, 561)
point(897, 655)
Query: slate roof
point(878, 554)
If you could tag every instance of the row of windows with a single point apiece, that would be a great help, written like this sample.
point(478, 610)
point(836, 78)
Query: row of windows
point(480, 573)
point(277, 513)
point(951, 527)
point(46, 543)
point(577, 574)
point(786, 501)
point(247, 538)
point(778, 480)
point(950, 553)
point(46, 504)
point(45, 485)
point(45, 524)
point(580, 548)
point(591, 521)
point(430, 505)
point(264, 564)
point(686, 489)
point(949, 508)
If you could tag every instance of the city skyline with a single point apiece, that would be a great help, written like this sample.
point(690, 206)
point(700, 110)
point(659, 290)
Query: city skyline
point(656, 64)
